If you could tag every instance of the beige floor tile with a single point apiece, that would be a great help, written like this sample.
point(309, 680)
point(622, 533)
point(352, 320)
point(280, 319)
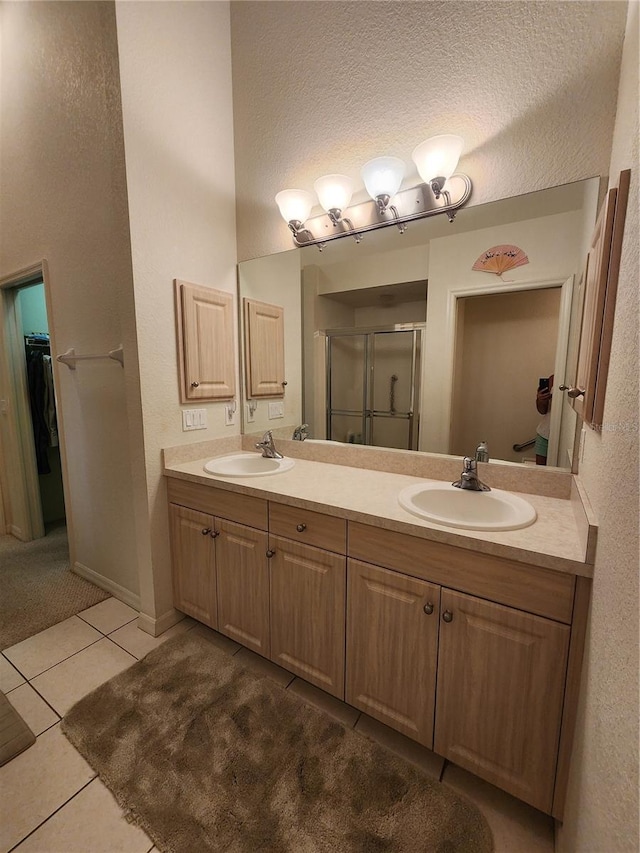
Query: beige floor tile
point(91, 822)
point(36, 783)
point(264, 667)
point(218, 640)
point(423, 758)
point(109, 615)
point(516, 827)
point(345, 714)
point(51, 646)
point(32, 708)
point(139, 643)
point(64, 684)
point(9, 676)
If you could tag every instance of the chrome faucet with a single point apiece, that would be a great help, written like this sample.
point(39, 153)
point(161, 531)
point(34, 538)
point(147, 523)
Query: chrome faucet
point(469, 477)
point(300, 432)
point(267, 446)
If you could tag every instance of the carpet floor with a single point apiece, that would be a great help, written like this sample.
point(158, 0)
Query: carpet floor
point(205, 755)
point(37, 587)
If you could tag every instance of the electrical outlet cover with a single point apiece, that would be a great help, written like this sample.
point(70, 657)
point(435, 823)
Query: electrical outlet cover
point(276, 410)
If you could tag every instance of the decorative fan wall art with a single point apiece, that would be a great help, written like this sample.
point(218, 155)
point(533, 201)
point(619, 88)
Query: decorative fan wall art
point(499, 259)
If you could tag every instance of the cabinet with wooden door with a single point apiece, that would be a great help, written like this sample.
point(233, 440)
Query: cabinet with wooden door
point(501, 676)
point(308, 586)
point(219, 567)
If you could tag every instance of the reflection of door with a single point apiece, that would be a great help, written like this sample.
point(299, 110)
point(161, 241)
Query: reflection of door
point(372, 387)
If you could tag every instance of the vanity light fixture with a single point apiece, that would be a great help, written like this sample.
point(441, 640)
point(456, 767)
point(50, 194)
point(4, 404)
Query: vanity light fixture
point(295, 207)
point(436, 160)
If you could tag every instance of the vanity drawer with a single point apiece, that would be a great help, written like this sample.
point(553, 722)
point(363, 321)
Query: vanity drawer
point(530, 588)
point(312, 528)
point(243, 509)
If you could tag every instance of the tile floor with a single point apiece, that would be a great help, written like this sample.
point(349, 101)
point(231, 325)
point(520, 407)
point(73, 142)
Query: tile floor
point(51, 801)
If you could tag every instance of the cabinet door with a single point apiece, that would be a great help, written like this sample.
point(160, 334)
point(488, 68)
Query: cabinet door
point(264, 349)
point(308, 613)
point(205, 342)
point(501, 675)
point(392, 641)
point(193, 564)
point(243, 584)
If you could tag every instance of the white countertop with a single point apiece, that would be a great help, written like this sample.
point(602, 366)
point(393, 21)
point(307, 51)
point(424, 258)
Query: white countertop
point(554, 541)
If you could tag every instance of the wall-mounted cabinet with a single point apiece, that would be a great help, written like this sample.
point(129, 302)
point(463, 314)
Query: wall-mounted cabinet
point(600, 283)
point(264, 349)
point(206, 342)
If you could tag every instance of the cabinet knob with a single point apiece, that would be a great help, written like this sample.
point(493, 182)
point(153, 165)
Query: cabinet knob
point(571, 392)
point(301, 528)
point(205, 531)
point(214, 534)
point(270, 553)
point(428, 608)
point(447, 616)
point(195, 384)
point(284, 383)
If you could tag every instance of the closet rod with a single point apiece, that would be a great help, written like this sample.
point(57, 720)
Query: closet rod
point(69, 357)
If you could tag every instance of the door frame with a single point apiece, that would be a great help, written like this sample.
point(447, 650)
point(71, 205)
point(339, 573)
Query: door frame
point(18, 466)
point(560, 362)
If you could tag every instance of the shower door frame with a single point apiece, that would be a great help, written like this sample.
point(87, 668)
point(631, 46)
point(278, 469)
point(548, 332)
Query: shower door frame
point(367, 410)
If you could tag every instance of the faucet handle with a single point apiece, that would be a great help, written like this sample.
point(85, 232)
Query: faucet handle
point(469, 464)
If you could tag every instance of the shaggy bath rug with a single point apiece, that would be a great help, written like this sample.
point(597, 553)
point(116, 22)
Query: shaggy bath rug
point(205, 755)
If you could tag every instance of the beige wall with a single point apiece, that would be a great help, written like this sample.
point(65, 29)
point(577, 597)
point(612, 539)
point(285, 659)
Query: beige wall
point(64, 199)
point(175, 69)
point(323, 87)
point(602, 807)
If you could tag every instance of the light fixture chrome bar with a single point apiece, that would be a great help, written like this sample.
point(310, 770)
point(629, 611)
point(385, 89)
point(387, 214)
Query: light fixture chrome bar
point(412, 204)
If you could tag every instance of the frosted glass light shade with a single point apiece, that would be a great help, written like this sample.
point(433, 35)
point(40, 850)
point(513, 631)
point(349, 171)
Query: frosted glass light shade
point(438, 157)
point(383, 176)
point(334, 191)
point(295, 205)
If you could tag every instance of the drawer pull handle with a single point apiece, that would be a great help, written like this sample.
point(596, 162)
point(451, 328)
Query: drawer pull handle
point(301, 528)
point(447, 616)
point(270, 553)
point(195, 384)
point(214, 534)
point(428, 608)
point(205, 531)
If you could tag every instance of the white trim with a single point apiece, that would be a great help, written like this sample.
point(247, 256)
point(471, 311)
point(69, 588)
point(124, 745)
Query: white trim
point(158, 626)
point(117, 591)
point(564, 319)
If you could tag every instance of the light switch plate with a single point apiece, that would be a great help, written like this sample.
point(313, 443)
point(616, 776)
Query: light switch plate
point(229, 414)
point(194, 419)
point(276, 410)
point(251, 413)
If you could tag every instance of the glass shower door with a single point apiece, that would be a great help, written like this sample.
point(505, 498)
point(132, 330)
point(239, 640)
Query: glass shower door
point(392, 388)
point(346, 365)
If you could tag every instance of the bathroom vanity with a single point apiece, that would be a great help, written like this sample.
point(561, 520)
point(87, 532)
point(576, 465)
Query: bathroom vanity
point(470, 643)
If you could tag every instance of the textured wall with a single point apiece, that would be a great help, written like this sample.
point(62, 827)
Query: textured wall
point(64, 199)
point(602, 808)
point(322, 87)
point(175, 71)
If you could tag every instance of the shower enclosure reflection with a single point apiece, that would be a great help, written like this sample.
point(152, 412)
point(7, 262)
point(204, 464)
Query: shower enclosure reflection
point(373, 386)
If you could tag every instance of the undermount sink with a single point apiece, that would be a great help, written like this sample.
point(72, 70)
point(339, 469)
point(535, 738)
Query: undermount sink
point(445, 504)
point(247, 465)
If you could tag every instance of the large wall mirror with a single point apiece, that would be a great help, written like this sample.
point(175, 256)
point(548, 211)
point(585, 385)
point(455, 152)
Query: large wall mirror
point(399, 342)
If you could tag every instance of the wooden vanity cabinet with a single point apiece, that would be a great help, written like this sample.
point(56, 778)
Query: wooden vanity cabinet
point(392, 648)
point(501, 677)
point(308, 588)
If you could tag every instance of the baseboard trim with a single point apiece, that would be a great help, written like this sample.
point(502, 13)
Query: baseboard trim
point(117, 591)
point(158, 626)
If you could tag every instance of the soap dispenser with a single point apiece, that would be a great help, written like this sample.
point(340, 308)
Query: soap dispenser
point(482, 452)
